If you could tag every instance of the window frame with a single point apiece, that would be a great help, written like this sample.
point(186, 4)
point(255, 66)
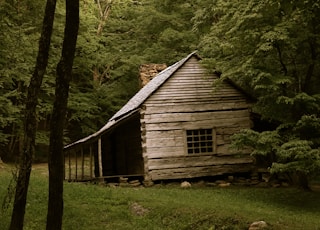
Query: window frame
point(214, 141)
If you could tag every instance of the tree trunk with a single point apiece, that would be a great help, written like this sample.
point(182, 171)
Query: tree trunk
point(104, 14)
point(56, 158)
point(30, 120)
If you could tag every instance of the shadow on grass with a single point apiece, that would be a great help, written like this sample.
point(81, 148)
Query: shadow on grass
point(291, 198)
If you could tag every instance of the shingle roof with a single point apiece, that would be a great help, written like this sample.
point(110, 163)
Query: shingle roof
point(137, 100)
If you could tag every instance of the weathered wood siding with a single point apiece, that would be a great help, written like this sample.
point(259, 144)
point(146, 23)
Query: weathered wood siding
point(187, 100)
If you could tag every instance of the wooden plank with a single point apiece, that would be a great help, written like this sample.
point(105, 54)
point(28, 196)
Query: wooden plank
point(195, 76)
point(186, 97)
point(172, 100)
point(165, 141)
point(195, 106)
point(190, 72)
point(239, 102)
point(190, 117)
point(195, 81)
point(236, 122)
point(198, 79)
point(196, 161)
point(184, 121)
point(188, 91)
point(193, 96)
point(100, 157)
point(199, 92)
point(193, 70)
point(159, 152)
point(178, 173)
point(192, 89)
point(187, 84)
point(155, 134)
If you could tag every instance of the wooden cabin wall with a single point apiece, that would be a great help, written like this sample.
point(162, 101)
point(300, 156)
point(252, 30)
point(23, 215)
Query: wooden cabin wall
point(187, 101)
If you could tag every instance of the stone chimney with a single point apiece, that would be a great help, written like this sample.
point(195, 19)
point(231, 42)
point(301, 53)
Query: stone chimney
point(149, 71)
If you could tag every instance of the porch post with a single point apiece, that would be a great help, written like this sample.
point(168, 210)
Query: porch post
point(100, 158)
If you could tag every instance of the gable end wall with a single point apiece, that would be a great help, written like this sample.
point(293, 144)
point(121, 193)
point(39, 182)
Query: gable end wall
point(187, 100)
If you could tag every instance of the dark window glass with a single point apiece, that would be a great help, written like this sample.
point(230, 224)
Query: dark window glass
point(199, 141)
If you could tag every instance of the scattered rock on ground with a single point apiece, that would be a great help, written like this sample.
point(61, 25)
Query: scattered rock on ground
point(258, 225)
point(138, 209)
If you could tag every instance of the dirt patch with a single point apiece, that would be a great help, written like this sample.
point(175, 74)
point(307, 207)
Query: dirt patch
point(315, 187)
point(5, 167)
point(41, 168)
point(138, 210)
point(38, 168)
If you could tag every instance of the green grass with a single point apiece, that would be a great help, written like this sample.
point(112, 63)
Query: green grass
point(96, 207)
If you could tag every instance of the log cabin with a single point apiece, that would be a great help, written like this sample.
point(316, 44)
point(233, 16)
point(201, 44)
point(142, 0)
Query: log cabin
point(177, 126)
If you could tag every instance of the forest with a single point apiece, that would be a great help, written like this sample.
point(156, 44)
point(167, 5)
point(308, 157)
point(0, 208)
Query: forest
point(269, 48)
point(67, 66)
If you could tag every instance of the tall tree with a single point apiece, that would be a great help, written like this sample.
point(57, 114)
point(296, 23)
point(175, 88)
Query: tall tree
point(30, 121)
point(56, 157)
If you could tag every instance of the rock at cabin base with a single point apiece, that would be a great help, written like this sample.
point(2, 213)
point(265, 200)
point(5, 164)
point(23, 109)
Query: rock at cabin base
point(258, 225)
point(185, 184)
point(223, 185)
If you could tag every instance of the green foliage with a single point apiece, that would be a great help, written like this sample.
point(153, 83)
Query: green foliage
point(105, 73)
point(290, 148)
point(21, 28)
point(271, 49)
point(264, 144)
point(107, 64)
point(297, 156)
point(268, 47)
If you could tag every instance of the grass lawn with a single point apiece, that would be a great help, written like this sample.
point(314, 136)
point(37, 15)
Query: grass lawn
point(96, 207)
